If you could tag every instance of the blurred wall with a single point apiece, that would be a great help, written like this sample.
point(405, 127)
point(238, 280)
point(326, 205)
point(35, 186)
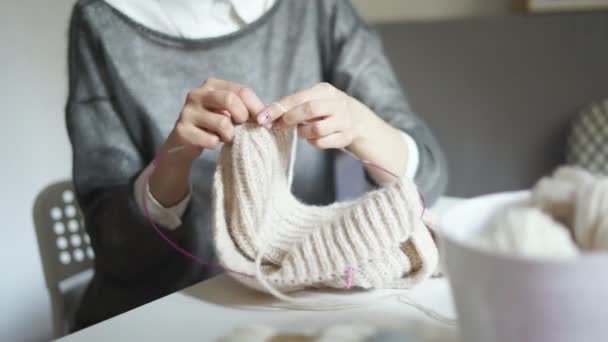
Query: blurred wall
point(35, 152)
point(498, 93)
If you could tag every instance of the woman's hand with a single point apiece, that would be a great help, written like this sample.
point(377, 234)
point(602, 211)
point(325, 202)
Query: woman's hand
point(210, 114)
point(207, 118)
point(329, 118)
point(326, 117)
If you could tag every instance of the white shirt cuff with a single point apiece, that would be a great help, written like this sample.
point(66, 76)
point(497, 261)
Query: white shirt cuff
point(170, 218)
point(413, 156)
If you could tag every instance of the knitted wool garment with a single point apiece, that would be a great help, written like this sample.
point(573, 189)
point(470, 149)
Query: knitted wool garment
point(382, 235)
point(528, 232)
point(579, 199)
point(567, 212)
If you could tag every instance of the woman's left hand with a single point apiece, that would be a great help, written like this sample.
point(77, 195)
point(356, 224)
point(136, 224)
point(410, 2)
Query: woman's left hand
point(329, 118)
point(326, 117)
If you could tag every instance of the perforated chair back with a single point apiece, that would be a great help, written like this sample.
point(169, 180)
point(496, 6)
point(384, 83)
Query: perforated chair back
point(64, 245)
point(63, 242)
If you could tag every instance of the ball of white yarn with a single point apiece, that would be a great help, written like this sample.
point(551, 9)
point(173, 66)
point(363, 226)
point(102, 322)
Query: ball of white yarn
point(526, 232)
point(591, 216)
point(556, 194)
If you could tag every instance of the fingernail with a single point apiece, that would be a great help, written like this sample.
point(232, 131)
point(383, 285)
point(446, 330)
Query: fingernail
point(263, 118)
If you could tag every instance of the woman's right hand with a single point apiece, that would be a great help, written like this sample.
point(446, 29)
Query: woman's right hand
point(210, 114)
point(207, 118)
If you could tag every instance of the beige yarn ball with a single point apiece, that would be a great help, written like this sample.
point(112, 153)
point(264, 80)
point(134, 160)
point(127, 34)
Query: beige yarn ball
point(527, 232)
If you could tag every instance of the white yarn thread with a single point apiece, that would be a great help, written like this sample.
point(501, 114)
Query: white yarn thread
point(292, 157)
point(427, 311)
point(294, 145)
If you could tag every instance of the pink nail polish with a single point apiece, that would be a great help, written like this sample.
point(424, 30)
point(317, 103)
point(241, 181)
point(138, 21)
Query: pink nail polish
point(263, 118)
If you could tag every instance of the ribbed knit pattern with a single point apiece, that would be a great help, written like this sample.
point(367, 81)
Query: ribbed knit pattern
point(381, 235)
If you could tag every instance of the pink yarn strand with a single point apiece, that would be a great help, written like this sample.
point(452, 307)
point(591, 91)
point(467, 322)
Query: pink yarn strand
point(378, 167)
point(172, 243)
point(349, 278)
point(370, 163)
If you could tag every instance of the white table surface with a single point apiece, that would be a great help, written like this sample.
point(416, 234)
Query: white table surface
point(213, 308)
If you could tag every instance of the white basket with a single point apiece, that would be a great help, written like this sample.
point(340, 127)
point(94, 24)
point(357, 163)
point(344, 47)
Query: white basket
point(501, 298)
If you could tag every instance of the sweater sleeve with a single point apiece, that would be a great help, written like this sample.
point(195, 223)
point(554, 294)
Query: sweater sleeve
point(168, 217)
point(106, 161)
point(355, 62)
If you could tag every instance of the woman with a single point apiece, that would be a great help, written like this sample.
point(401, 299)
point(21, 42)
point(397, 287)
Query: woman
point(132, 63)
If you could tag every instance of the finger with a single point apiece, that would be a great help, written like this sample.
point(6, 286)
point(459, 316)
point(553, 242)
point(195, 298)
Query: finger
point(192, 135)
point(319, 128)
point(273, 111)
point(310, 111)
point(214, 123)
point(213, 83)
point(335, 140)
point(220, 100)
point(251, 100)
point(195, 96)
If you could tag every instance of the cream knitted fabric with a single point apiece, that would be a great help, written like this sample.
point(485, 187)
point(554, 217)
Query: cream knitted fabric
point(567, 212)
point(381, 235)
point(526, 231)
point(578, 199)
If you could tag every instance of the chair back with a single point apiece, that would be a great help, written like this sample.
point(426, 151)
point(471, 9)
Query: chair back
point(65, 247)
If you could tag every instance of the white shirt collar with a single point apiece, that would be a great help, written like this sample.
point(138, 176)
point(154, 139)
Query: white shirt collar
point(193, 18)
point(246, 10)
point(250, 10)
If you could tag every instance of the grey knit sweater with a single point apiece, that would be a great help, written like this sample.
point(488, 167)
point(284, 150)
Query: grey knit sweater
point(127, 86)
